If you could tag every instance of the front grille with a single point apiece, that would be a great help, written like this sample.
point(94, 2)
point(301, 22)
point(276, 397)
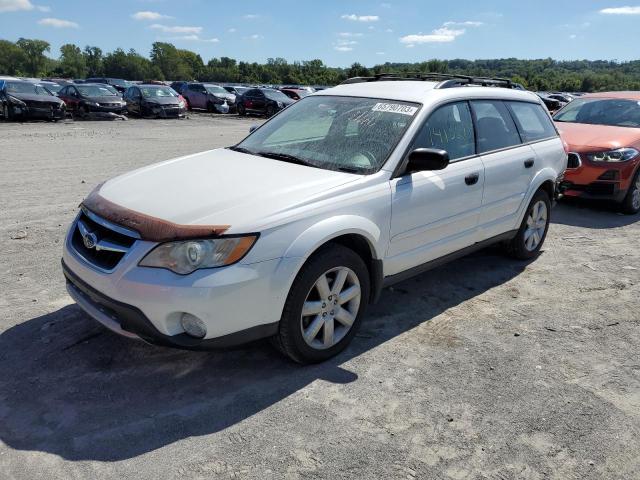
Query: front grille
point(110, 105)
point(99, 242)
point(42, 105)
point(573, 160)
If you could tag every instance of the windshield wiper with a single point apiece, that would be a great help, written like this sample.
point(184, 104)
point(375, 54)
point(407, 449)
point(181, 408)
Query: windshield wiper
point(285, 157)
point(242, 150)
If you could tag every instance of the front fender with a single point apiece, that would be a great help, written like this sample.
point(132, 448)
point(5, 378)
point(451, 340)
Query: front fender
point(322, 232)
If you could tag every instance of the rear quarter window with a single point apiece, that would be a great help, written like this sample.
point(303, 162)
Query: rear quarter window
point(533, 123)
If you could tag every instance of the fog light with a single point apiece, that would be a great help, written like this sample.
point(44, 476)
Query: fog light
point(193, 325)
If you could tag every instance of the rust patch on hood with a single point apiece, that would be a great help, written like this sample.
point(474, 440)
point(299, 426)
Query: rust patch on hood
point(150, 228)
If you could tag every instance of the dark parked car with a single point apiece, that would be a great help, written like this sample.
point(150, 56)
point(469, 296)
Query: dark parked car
point(263, 101)
point(119, 84)
point(20, 99)
point(179, 86)
point(209, 97)
point(154, 101)
point(92, 99)
point(295, 93)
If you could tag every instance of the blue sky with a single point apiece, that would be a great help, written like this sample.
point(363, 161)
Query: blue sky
point(338, 32)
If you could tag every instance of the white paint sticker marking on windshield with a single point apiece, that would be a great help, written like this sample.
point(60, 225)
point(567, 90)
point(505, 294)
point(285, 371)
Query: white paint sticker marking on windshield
point(395, 108)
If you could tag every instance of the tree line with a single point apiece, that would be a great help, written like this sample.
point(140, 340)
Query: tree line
point(29, 57)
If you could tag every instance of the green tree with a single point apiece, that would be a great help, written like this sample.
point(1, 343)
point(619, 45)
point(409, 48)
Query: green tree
point(12, 58)
point(72, 61)
point(35, 60)
point(93, 60)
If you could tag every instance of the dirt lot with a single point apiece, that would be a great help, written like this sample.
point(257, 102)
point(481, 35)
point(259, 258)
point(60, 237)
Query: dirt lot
point(485, 368)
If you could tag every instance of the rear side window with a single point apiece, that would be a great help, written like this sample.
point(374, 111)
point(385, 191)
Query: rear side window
point(533, 122)
point(449, 128)
point(495, 127)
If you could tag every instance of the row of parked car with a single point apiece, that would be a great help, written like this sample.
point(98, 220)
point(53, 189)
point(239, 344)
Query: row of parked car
point(53, 99)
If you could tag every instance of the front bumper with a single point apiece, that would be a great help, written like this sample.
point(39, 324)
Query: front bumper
point(117, 109)
point(129, 321)
point(44, 112)
point(238, 303)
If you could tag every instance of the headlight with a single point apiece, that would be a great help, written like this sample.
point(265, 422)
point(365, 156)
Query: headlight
point(619, 155)
point(17, 101)
point(181, 104)
point(190, 255)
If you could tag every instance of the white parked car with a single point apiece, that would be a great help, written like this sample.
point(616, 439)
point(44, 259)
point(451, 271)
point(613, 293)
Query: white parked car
point(294, 231)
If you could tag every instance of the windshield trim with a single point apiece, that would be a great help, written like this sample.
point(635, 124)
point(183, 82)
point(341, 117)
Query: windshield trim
point(392, 150)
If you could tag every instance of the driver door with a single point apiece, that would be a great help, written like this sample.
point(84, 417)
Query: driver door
point(436, 213)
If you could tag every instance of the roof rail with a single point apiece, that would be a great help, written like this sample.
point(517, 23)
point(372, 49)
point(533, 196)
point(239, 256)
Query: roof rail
point(444, 80)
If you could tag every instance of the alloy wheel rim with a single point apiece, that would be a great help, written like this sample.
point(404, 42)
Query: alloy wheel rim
point(536, 225)
point(635, 195)
point(330, 308)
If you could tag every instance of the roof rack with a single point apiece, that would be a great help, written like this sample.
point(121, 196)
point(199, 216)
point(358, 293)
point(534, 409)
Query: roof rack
point(444, 80)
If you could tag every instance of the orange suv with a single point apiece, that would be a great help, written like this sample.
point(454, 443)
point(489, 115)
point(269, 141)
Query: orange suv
point(602, 131)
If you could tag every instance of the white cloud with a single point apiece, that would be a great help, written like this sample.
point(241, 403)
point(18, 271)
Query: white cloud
point(621, 11)
point(58, 23)
point(177, 29)
point(195, 38)
point(147, 15)
point(463, 24)
point(342, 48)
point(251, 16)
point(349, 34)
point(255, 36)
point(388, 30)
point(15, 5)
point(43, 8)
point(573, 36)
point(385, 5)
point(232, 30)
point(445, 34)
point(380, 53)
point(360, 18)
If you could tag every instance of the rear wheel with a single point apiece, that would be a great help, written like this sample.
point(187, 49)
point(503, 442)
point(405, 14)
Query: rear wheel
point(533, 230)
point(82, 111)
point(631, 202)
point(325, 306)
point(270, 111)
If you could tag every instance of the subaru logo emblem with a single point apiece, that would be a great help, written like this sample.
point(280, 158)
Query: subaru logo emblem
point(89, 239)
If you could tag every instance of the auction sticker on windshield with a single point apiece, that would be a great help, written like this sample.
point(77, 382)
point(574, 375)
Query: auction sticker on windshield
point(395, 108)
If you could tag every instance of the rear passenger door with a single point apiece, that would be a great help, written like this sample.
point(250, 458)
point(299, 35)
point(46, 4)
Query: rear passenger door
point(509, 166)
point(435, 213)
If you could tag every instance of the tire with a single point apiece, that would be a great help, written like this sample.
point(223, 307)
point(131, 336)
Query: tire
point(210, 107)
point(7, 113)
point(82, 112)
point(241, 110)
point(188, 104)
point(524, 246)
point(631, 203)
point(329, 262)
point(270, 112)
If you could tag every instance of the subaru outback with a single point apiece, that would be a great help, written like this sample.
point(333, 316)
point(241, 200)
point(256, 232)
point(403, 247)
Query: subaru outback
point(291, 233)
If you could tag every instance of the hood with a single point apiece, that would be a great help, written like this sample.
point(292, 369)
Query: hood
point(32, 97)
point(582, 137)
point(226, 96)
point(222, 187)
point(163, 100)
point(111, 99)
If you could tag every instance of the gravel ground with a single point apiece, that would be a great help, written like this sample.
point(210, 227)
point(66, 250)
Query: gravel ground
point(483, 369)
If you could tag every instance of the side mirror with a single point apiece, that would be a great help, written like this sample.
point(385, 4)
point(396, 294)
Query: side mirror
point(253, 128)
point(427, 159)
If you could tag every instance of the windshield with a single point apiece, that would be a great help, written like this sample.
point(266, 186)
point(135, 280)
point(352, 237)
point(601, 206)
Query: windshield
point(276, 95)
point(26, 88)
point(336, 133)
point(152, 92)
point(52, 87)
point(96, 91)
point(617, 112)
point(119, 82)
point(215, 89)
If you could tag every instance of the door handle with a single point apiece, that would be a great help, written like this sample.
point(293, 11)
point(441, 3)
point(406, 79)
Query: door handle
point(529, 163)
point(472, 178)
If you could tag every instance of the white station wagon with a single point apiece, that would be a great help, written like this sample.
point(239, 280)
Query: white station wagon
point(291, 233)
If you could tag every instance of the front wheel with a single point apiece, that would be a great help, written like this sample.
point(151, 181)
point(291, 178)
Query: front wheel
point(7, 113)
point(631, 202)
point(270, 111)
point(325, 306)
point(241, 110)
point(533, 230)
